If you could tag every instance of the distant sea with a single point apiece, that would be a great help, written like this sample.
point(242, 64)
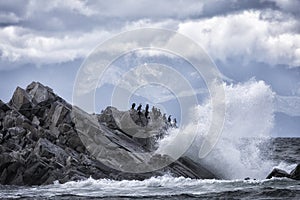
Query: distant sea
point(285, 153)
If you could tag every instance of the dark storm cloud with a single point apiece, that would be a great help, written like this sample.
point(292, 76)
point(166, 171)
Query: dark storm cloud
point(12, 12)
point(86, 15)
point(58, 17)
point(213, 8)
point(290, 6)
point(44, 32)
point(18, 7)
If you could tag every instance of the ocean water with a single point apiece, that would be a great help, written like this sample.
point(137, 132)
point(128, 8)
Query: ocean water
point(285, 154)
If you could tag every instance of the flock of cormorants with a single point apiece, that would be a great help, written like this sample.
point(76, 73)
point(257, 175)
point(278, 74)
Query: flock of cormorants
point(156, 113)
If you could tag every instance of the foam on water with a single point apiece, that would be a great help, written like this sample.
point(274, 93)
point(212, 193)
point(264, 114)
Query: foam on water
point(156, 186)
point(249, 114)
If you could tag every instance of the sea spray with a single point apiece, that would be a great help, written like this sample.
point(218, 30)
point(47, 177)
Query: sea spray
point(248, 123)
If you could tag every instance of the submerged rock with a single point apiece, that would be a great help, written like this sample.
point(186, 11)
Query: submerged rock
point(41, 141)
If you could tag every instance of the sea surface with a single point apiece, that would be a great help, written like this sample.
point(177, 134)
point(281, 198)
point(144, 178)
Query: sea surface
point(284, 153)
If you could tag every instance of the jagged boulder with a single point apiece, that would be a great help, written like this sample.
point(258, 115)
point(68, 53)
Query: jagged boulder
point(59, 114)
point(9, 120)
point(37, 170)
point(21, 100)
point(11, 164)
point(144, 131)
point(107, 117)
point(45, 148)
point(3, 106)
point(40, 94)
point(278, 173)
point(73, 141)
point(197, 169)
point(295, 173)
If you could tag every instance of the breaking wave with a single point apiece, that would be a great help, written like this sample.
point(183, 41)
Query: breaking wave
point(249, 120)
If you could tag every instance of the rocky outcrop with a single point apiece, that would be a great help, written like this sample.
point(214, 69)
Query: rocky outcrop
point(295, 173)
point(42, 140)
point(278, 173)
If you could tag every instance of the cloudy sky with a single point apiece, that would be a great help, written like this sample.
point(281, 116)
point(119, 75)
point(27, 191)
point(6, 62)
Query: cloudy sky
point(47, 41)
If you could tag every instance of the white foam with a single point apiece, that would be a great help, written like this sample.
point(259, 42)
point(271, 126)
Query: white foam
point(156, 186)
point(249, 114)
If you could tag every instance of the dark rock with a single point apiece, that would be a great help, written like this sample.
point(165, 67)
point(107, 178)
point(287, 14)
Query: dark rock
point(5, 159)
point(3, 176)
point(9, 165)
point(34, 174)
point(35, 121)
point(40, 94)
point(14, 173)
point(295, 173)
point(278, 173)
point(22, 119)
point(107, 117)
point(1, 138)
point(2, 115)
point(16, 131)
point(41, 141)
point(4, 107)
point(74, 141)
point(54, 132)
point(21, 101)
point(9, 121)
point(45, 148)
point(32, 136)
point(59, 115)
point(63, 128)
point(62, 139)
point(135, 125)
point(199, 171)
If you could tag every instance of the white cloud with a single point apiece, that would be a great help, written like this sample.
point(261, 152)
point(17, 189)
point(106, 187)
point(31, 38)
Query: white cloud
point(111, 76)
point(248, 37)
point(289, 105)
point(21, 45)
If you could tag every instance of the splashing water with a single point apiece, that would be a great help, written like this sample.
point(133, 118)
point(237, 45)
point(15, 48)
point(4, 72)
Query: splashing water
point(248, 123)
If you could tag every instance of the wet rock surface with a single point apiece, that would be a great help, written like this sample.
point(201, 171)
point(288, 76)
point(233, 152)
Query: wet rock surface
point(41, 141)
point(295, 173)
